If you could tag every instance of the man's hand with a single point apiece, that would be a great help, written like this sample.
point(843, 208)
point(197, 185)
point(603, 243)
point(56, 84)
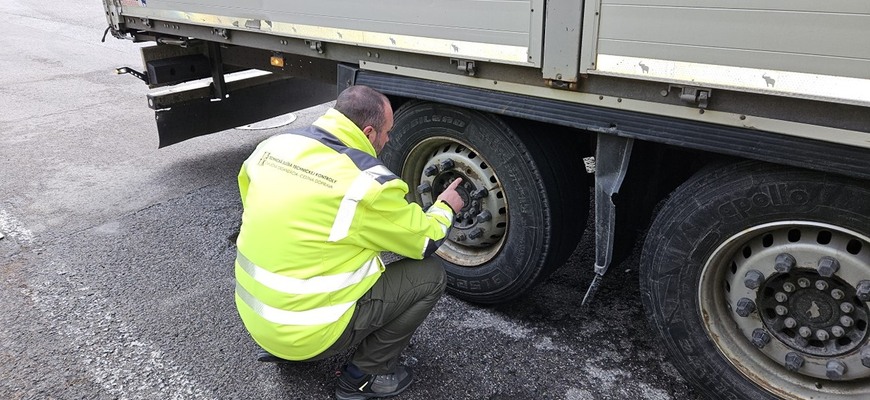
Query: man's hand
point(451, 197)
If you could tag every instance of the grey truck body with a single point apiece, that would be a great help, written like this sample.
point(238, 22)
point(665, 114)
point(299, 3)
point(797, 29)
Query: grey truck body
point(744, 55)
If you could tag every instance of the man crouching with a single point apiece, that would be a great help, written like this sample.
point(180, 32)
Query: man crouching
point(319, 207)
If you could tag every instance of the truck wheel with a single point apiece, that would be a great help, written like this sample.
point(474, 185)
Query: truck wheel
point(519, 221)
point(757, 278)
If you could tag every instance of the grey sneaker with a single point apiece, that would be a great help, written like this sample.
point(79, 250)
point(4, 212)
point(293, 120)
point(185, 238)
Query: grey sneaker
point(369, 386)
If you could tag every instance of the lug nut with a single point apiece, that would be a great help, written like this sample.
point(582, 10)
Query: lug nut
point(793, 361)
point(822, 335)
point(847, 307)
point(430, 170)
point(837, 294)
point(804, 282)
point(424, 187)
point(484, 216)
point(760, 338)
point(753, 279)
point(781, 310)
point(784, 263)
point(788, 287)
point(446, 165)
point(781, 297)
point(863, 290)
point(837, 331)
point(846, 321)
point(479, 194)
point(789, 322)
point(865, 356)
point(476, 234)
point(745, 307)
point(461, 237)
point(835, 369)
point(805, 331)
point(821, 285)
point(828, 266)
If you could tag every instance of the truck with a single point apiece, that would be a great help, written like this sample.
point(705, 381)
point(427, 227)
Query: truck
point(730, 138)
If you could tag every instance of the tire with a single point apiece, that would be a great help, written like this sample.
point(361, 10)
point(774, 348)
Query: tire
point(535, 215)
point(726, 327)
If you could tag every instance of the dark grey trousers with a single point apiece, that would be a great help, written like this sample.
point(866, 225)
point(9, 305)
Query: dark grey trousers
point(388, 314)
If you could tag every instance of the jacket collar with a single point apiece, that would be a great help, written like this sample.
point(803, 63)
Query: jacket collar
point(345, 130)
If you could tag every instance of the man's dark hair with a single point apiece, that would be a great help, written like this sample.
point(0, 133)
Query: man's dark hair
point(363, 105)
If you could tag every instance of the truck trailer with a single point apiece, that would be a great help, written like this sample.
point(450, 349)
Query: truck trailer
point(731, 137)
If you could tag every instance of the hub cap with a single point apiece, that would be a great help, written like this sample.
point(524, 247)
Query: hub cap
point(820, 307)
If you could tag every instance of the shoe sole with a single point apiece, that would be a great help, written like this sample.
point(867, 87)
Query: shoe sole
point(339, 395)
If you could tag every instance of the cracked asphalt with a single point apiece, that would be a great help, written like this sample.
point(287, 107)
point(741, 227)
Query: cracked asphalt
point(116, 259)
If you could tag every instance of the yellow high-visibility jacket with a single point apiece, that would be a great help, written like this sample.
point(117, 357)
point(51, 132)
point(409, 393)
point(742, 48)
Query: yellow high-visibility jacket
point(318, 210)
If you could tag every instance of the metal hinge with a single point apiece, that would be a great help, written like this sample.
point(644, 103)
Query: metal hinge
point(695, 95)
point(466, 66)
point(315, 45)
point(557, 84)
point(222, 32)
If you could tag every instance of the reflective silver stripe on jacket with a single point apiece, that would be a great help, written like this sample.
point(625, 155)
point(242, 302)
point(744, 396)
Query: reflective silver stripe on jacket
point(317, 316)
point(378, 171)
point(425, 246)
point(317, 284)
point(430, 246)
point(443, 213)
point(355, 194)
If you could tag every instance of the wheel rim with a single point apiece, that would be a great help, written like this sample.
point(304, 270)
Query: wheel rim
point(796, 293)
point(480, 227)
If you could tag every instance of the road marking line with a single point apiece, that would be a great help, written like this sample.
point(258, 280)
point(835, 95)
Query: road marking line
point(12, 227)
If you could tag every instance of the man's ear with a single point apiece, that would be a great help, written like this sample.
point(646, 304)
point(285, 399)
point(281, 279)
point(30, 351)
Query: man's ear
point(368, 131)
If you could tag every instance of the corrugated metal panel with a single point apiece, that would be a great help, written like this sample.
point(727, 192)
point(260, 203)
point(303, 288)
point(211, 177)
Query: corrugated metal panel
point(750, 36)
point(455, 27)
point(797, 47)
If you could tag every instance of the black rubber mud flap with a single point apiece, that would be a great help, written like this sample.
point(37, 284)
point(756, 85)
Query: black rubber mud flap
point(180, 121)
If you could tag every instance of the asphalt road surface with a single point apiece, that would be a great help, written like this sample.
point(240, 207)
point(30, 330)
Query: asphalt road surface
point(116, 276)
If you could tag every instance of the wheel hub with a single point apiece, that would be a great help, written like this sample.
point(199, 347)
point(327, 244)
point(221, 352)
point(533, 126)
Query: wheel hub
point(797, 294)
point(801, 302)
point(480, 226)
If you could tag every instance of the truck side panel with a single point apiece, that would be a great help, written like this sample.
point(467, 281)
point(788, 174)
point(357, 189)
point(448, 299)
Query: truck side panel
point(500, 30)
point(803, 48)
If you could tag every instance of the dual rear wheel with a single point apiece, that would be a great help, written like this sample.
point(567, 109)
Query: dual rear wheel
point(525, 208)
point(757, 278)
